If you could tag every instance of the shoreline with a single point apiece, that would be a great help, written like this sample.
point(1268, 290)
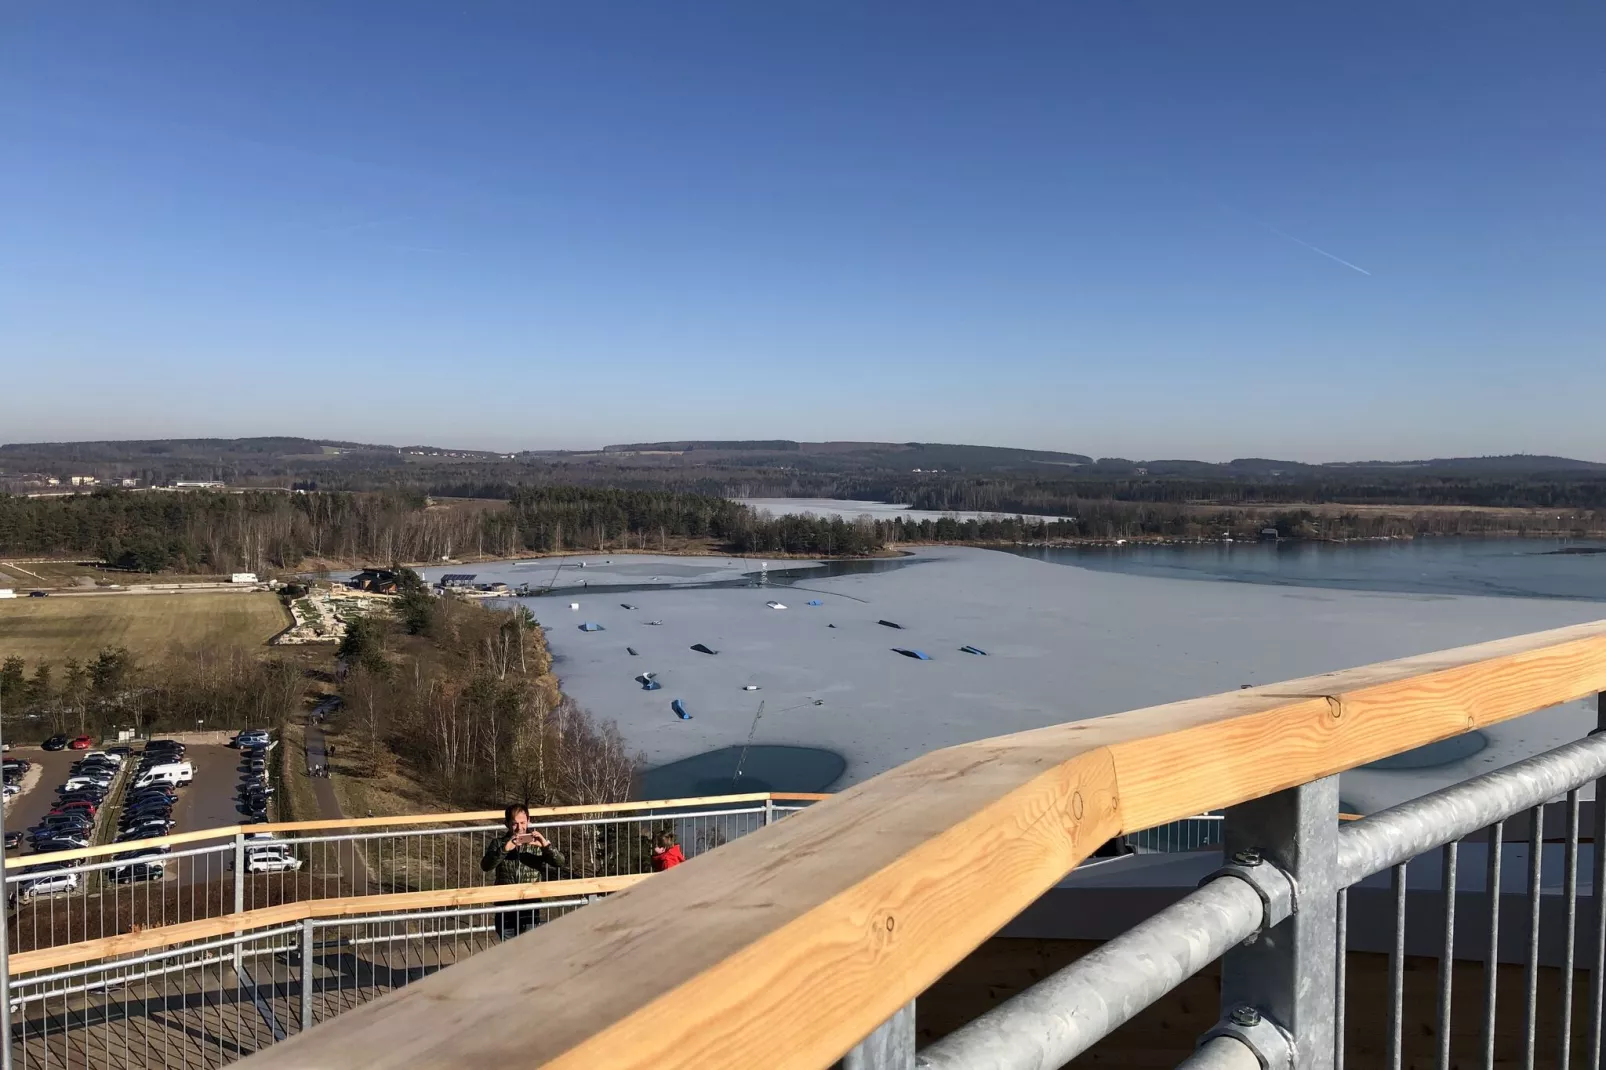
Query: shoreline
point(892, 551)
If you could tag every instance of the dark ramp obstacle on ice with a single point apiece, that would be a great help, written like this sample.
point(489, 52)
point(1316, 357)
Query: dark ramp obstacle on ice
point(680, 709)
point(974, 650)
point(631, 651)
point(701, 649)
point(890, 624)
point(591, 626)
point(918, 655)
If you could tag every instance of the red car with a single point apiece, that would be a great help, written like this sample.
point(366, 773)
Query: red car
point(85, 806)
point(82, 743)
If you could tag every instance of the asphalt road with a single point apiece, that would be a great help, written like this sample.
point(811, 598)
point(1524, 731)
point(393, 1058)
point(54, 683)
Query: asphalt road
point(208, 802)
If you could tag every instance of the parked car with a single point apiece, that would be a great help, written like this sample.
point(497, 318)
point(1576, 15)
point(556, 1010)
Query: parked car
point(145, 813)
point(137, 872)
point(38, 594)
point(61, 843)
point(150, 826)
point(143, 852)
point(81, 743)
point(20, 765)
point(12, 788)
point(103, 756)
point(51, 882)
point(147, 808)
point(80, 805)
point(56, 743)
point(68, 819)
point(270, 859)
point(13, 839)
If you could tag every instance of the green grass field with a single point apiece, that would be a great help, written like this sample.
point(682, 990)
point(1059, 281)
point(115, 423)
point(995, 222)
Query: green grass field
point(80, 626)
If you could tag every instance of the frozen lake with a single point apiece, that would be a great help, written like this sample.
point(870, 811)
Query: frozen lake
point(1063, 643)
point(848, 509)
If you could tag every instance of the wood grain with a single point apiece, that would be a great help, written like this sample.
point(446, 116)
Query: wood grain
point(289, 913)
point(785, 947)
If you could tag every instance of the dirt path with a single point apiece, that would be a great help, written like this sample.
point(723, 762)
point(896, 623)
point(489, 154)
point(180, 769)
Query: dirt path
point(324, 791)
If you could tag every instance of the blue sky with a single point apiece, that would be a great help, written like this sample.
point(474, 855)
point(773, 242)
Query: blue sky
point(1069, 226)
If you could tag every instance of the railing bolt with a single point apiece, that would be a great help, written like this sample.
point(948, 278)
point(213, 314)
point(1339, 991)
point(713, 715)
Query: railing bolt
point(1250, 857)
point(1245, 1016)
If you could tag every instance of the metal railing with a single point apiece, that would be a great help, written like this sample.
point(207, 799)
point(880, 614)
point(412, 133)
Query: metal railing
point(86, 898)
point(1277, 916)
point(789, 947)
point(211, 1002)
point(72, 896)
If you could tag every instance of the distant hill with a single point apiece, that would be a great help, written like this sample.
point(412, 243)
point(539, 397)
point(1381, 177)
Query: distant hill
point(898, 456)
point(282, 458)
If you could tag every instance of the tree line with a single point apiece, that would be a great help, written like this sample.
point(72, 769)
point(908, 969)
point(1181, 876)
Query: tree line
point(465, 696)
point(265, 532)
point(203, 687)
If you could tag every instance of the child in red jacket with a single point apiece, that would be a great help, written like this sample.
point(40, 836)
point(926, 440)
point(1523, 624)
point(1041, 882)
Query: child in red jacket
point(666, 853)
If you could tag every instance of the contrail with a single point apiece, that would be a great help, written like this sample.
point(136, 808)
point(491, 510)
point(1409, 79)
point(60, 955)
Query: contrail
point(1230, 210)
point(1315, 248)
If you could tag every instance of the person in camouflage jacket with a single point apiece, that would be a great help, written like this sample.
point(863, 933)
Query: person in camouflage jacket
point(521, 856)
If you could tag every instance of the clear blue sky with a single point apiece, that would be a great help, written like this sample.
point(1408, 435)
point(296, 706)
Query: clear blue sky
point(1078, 226)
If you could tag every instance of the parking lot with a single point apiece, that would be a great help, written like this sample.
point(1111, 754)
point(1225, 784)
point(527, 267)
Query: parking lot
point(30, 808)
point(210, 801)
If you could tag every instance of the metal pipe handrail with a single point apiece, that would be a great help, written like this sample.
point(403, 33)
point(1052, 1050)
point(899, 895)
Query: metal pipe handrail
point(1390, 837)
point(438, 823)
point(1063, 1015)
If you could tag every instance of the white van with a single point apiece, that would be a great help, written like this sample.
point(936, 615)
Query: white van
point(174, 773)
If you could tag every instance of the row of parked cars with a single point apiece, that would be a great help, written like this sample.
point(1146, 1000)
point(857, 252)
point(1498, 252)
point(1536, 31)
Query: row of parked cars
point(147, 811)
point(148, 802)
point(254, 791)
point(70, 822)
point(63, 742)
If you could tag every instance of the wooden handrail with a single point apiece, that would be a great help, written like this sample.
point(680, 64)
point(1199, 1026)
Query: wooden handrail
point(266, 917)
point(785, 947)
point(227, 832)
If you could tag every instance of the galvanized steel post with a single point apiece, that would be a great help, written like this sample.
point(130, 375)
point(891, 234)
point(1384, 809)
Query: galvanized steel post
point(239, 872)
point(890, 1047)
point(239, 897)
point(307, 934)
point(1288, 971)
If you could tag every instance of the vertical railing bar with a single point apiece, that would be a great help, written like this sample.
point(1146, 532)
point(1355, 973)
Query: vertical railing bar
point(1341, 972)
point(1597, 890)
point(1570, 896)
point(1536, 857)
point(1491, 968)
point(1452, 853)
point(1397, 970)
